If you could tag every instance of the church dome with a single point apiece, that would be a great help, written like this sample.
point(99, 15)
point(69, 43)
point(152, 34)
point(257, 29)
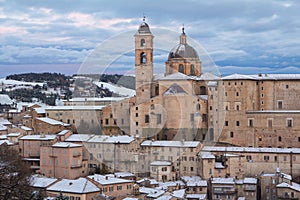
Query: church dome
point(183, 50)
point(144, 28)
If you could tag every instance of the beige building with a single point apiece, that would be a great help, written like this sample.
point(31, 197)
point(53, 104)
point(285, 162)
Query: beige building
point(29, 148)
point(78, 189)
point(112, 186)
point(113, 153)
point(249, 161)
point(63, 160)
point(182, 156)
point(82, 119)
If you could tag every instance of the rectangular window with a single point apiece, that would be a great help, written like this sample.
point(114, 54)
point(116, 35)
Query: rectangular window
point(279, 104)
point(106, 121)
point(237, 123)
point(266, 158)
point(250, 122)
point(226, 123)
point(119, 187)
point(136, 114)
point(289, 122)
point(231, 134)
point(270, 123)
point(115, 122)
point(147, 118)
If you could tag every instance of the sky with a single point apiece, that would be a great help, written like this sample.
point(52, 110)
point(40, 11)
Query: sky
point(248, 37)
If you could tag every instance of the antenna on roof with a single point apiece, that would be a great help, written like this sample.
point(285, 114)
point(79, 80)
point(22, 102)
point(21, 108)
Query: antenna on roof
point(144, 17)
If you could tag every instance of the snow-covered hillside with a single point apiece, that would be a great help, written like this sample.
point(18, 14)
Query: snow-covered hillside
point(7, 82)
point(122, 91)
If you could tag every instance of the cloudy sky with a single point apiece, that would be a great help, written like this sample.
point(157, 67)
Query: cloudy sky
point(248, 36)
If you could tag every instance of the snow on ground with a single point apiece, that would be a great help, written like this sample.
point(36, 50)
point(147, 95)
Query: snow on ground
point(123, 91)
point(4, 81)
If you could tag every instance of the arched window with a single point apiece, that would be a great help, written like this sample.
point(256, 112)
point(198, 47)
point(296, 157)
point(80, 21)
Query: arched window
point(181, 68)
point(143, 43)
point(143, 58)
point(198, 106)
point(203, 90)
point(192, 72)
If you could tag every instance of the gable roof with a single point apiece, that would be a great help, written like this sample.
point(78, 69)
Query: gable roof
point(174, 89)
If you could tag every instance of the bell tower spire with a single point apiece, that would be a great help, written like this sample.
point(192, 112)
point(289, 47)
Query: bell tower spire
point(143, 62)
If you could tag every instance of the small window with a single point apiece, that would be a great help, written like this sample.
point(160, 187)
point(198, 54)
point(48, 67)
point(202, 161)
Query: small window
point(266, 158)
point(136, 108)
point(226, 94)
point(270, 123)
point(147, 118)
point(237, 123)
point(143, 43)
point(279, 139)
point(192, 70)
point(136, 114)
point(250, 122)
point(279, 104)
point(287, 86)
point(262, 88)
point(237, 94)
point(152, 107)
point(106, 121)
point(198, 106)
point(289, 122)
point(226, 123)
point(136, 123)
point(231, 134)
point(237, 107)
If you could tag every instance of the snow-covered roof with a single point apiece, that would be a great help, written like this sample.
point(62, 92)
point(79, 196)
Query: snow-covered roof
point(175, 76)
point(122, 139)
point(123, 91)
point(293, 186)
point(5, 122)
point(79, 137)
point(249, 180)
point(166, 185)
point(108, 180)
point(238, 77)
point(206, 155)
point(262, 77)
point(94, 99)
point(3, 137)
point(40, 110)
point(124, 174)
point(219, 165)
point(193, 181)
point(5, 100)
point(41, 182)
point(151, 192)
point(78, 186)
point(38, 137)
point(172, 143)
point(63, 132)
point(6, 141)
point(229, 181)
point(212, 84)
point(250, 149)
point(25, 128)
point(160, 163)
point(196, 196)
point(13, 134)
point(66, 145)
point(52, 121)
point(3, 128)
point(178, 193)
point(164, 197)
point(61, 108)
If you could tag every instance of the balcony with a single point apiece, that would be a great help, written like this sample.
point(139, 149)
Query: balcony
point(225, 190)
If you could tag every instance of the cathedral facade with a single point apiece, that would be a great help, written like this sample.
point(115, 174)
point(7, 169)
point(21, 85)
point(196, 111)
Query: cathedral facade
point(186, 104)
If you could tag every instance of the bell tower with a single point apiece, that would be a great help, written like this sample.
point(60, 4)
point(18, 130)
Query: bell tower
point(143, 62)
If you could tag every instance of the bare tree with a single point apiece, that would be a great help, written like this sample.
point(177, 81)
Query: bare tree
point(14, 175)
